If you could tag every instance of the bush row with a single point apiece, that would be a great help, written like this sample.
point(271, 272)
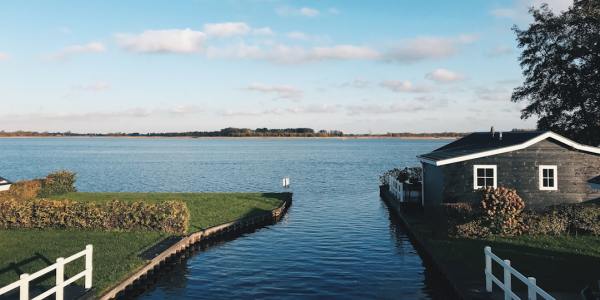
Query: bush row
point(57, 183)
point(169, 216)
point(501, 212)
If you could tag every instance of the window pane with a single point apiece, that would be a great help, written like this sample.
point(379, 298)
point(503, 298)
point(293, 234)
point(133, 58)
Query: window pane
point(480, 181)
point(544, 172)
point(489, 182)
point(545, 182)
point(551, 182)
point(550, 172)
point(480, 172)
point(489, 172)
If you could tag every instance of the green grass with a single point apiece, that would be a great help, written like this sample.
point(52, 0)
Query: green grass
point(117, 254)
point(563, 264)
point(206, 209)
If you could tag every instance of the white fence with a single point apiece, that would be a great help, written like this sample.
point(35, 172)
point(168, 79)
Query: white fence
point(532, 289)
point(61, 283)
point(396, 188)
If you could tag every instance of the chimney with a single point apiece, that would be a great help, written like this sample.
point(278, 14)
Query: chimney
point(492, 132)
point(500, 135)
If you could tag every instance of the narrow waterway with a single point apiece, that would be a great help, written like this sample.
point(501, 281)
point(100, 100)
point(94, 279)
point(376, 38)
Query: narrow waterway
point(338, 240)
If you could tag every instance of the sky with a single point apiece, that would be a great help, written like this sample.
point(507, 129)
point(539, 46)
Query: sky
point(355, 66)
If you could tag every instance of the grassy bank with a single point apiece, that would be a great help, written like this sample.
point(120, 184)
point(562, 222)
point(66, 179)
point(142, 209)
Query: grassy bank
point(117, 254)
point(562, 265)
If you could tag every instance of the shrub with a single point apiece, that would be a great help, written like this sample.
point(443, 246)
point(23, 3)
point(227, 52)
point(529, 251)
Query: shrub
point(25, 190)
point(412, 175)
point(168, 216)
point(58, 183)
point(473, 229)
point(502, 209)
point(547, 223)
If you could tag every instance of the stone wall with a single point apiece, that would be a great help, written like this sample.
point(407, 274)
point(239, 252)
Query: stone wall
point(519, 170)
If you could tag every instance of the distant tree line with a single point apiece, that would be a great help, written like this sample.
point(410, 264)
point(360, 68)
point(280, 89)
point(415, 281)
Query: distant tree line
point(226, 132)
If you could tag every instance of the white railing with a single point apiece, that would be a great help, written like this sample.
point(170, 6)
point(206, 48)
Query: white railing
point(396, 188)
point(532, 289)
point(61, 282)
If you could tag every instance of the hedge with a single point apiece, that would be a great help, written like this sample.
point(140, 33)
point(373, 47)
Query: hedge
point(169, 216)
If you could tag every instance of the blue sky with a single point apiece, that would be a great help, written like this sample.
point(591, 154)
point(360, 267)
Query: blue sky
point(356, 66)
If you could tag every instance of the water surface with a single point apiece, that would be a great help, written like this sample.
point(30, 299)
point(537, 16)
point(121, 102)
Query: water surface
point(338, 240)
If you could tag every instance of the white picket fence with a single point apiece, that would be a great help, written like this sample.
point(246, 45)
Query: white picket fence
point(61, 283)
point(396, 188)
point(532, 289)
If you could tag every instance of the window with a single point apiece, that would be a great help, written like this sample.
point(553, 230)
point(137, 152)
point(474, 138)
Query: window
point(484, 176)
point(548, 178)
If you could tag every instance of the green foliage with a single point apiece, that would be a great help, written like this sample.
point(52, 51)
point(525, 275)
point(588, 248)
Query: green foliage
point(560, 65)
point(566, 219)
point(169, 216)
point(410, 174)
point(501, 211)
point(58, 183)
point(25, 190)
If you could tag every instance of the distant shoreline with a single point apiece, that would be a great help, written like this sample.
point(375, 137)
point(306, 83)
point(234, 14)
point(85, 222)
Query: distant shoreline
point(365, 137)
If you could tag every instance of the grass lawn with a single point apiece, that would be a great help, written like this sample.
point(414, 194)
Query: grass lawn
point(562, 264)
point(206, 209)
point(117, 254)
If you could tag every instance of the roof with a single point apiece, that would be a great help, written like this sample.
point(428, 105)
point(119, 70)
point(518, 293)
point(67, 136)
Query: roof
point(482, 144)
point(4, 181)
point(595, 180)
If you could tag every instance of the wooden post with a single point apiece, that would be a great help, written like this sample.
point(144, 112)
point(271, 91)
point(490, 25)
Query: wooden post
point(531, 290)
point(88, 266)
point(488, 269)
point(24, 288)
point(60, 278)
point(507, 284)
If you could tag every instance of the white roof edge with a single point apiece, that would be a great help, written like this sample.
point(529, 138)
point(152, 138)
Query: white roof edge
point(524, 145)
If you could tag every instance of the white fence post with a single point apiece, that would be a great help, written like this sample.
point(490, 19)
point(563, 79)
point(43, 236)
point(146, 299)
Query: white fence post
point(531, 291)
point(24, 287)
point(60, 278)
point(88, 266)
point(488, 268)
point(507, 285)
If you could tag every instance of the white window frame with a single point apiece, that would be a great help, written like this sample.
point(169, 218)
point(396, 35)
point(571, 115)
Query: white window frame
point(475, 167)
point(541, 169)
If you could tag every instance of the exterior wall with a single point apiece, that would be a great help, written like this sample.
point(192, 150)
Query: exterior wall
point(519, 170)
point(433, 185)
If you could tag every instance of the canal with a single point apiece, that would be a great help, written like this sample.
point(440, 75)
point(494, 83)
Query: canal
point(338, 240)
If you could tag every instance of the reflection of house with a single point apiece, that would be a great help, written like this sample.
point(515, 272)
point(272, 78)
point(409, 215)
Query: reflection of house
point(544, 167)
point(4, 184)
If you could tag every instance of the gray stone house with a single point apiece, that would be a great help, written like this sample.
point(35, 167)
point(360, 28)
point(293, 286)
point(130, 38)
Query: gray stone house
point(545, 168)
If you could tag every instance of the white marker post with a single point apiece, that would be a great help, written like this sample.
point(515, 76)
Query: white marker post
point(286, 182)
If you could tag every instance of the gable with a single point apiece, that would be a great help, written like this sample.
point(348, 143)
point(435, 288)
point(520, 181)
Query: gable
point(449, 155)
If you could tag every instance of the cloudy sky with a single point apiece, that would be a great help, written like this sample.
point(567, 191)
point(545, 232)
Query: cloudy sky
point(356, 66)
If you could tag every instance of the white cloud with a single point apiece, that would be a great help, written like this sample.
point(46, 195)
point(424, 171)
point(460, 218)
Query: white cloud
point(69, 51)
point(163, 41)
point(422, 48)
point(227, 29)
point(444, 76)
point(519, 10)
point(263, 31)
point(403, 86)
point(497, 93)
point(280, 91)
point(309, 12)
point(500, 50)
point(344, 52)
point(314, 109)
point(298, 35)
point(98, 86)
point(4, 56)
point(357, 83)
point(292, 11)
point(185, 109)
point(378, 109)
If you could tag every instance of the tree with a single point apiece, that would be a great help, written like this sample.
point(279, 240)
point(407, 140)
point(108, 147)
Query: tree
point(561, 68)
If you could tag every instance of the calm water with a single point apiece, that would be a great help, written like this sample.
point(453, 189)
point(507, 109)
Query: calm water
point(337, 241)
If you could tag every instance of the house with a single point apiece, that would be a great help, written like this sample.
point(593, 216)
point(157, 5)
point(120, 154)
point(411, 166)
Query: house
point(4, 184)
point(545, 168)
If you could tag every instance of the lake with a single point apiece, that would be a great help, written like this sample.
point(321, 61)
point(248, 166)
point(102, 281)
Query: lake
point(338, 240)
